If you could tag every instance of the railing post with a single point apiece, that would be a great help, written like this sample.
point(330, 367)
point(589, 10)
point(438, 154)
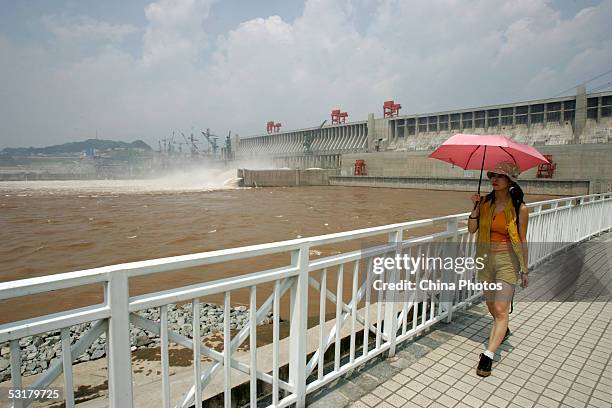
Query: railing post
point(608, 197)
point(602, 216)
point(298, 327)
point(390, 325)
point(120, 355)
point(447, 299)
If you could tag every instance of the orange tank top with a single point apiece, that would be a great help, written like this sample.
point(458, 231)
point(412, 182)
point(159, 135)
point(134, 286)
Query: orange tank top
point(499, 231)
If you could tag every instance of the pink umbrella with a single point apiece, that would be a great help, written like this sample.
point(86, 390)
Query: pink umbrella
point(473, 152)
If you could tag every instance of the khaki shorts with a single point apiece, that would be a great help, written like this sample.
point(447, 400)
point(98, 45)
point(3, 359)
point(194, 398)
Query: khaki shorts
point(504, 266)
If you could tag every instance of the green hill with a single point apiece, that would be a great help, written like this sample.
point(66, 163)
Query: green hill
point(75, 147)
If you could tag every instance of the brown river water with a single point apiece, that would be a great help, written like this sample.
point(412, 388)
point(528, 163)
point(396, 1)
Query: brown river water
point(49, 228)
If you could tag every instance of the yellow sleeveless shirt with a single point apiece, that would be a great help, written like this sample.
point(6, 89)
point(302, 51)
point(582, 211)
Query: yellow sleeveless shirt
point(484, 231)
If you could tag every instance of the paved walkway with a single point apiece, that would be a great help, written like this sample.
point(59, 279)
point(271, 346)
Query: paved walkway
point(559, 353)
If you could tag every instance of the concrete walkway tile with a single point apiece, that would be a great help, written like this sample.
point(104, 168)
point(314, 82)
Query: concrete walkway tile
point(381, 392)
point(406, 393)
point(497, 402)
point(523, 402)
point(544, 401)
point(596, 402)
point(370, 400)
point(456, 393)
point(472, 401)
point(447, 401)
point(400, 378)
point(396, 400)
point(421, 400)
point(391, 385)
point(431, 393)
point(582, 397)
point(573, 402)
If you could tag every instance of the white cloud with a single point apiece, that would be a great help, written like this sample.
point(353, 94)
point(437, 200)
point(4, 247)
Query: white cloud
point(427, 55)
point(175, 29)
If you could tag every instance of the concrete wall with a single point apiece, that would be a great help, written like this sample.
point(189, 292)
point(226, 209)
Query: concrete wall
point(553, 133)
point(322, 177)
point(327, 161)
point(590, 162)
point(552, 187)
point(285, 178)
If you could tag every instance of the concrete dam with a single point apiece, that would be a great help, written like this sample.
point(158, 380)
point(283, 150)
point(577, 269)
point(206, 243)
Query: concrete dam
point(575, 130)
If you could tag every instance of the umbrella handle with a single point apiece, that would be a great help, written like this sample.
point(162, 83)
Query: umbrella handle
point(481, 169)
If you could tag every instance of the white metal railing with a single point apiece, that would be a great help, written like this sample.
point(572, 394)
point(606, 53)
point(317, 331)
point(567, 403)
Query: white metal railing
point(389, 321)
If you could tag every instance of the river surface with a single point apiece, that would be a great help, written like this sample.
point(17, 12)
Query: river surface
point(53, 227)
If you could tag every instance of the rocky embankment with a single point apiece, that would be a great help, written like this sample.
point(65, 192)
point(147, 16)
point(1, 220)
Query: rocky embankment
point(38, 352)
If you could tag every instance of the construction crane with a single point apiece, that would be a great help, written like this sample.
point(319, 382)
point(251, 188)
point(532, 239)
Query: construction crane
point(168, 145)
point(226, 152)
point(191, 142)
point(228, 141)
point(165, 146)
point(212, 141)
point(171, 144)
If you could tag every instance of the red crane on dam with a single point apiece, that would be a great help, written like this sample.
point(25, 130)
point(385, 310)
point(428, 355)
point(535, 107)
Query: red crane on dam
point(546, 170)
point(391, 109)
point(272, 127)
point(338, 116)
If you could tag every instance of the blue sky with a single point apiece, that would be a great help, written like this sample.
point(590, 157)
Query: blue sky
point(141, 69)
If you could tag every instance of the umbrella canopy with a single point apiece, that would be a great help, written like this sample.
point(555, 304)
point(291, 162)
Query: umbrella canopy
point(473, 152)
point(468, 151)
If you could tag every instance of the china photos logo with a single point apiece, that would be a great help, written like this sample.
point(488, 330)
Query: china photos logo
point(459, 265)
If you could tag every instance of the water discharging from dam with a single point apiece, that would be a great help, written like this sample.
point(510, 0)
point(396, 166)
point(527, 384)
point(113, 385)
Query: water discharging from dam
point(194, 179)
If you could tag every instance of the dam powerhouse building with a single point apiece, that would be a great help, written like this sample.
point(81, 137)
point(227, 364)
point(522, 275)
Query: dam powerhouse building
point(574, 130)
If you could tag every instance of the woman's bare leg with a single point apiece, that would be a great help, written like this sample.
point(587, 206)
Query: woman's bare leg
point(501, 325)
point(501, 307)
point(491, 307)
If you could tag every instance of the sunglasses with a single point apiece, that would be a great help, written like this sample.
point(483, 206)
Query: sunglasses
point(496, 175)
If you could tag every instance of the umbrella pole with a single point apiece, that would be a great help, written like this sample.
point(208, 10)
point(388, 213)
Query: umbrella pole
point(481, 168)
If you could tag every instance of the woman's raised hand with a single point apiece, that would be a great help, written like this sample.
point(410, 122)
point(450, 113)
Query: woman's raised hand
point(475, 198)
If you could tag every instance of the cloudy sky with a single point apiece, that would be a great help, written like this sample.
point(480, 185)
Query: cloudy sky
point(126, 70)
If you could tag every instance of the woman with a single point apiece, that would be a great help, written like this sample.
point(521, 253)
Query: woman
point(501, 221)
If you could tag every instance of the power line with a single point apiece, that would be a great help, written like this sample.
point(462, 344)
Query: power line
point(600, 87)
point(582, 83)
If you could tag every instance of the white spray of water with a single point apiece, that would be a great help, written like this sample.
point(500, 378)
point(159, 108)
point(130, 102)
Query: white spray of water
point(194, 178)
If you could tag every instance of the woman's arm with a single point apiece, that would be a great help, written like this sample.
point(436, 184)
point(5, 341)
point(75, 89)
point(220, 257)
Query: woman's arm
point(523, 221)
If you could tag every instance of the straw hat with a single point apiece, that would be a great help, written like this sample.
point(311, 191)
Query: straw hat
point(507, 168)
